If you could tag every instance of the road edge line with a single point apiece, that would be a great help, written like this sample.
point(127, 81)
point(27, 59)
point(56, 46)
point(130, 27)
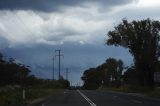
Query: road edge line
point(86, 98)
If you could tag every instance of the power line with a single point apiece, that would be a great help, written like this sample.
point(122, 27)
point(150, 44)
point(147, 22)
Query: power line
point(67, 72)
point(59, 55)
point(53, 68)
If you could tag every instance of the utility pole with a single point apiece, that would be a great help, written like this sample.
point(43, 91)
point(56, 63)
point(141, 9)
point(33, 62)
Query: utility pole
point(59, 55)
point(53, 68)
point(67, 73)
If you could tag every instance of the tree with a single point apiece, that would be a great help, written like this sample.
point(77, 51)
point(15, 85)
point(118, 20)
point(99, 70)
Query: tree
point(14, 73)
point(108, 73)
point(142, 39)
point(1, 58)
point(114, 71)
point(130, 76)
point(92, 79)
point(104, 73)
point(63, 83)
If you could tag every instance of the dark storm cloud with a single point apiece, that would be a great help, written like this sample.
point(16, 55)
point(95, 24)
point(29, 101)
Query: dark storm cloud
point(76, 57)
point(54, 5)
point(3, 42)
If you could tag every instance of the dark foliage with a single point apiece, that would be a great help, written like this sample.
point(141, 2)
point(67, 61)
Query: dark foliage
point(109, 74)
point(142, 39)
point(130, 76)
point(12, 73)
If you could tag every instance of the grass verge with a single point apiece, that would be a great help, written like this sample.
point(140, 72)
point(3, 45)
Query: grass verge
point(13, 97)
point(135, 89)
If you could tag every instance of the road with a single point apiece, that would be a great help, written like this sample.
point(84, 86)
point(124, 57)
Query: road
point(98, 98)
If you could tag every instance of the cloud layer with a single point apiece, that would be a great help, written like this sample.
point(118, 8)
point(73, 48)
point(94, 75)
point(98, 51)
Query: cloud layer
point(76, 57)
point(30, 31)
point(56, 5)
point(27, 27)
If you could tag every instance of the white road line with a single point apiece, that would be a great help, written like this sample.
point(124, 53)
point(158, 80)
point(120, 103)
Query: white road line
point(136, 101)
point(86, 98)
point(115, 96)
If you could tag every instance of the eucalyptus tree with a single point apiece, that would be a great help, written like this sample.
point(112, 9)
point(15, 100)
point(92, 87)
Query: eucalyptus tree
point(141, 38)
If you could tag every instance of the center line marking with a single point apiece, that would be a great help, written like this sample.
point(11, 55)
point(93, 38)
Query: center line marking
point(86, 98)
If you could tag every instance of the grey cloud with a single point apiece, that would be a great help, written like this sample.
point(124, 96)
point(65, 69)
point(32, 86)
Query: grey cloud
point(54, 5)
point(3, 43)
point(76, 57)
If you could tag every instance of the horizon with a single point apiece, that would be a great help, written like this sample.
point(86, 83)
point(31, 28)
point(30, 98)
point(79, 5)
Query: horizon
point(30, 32)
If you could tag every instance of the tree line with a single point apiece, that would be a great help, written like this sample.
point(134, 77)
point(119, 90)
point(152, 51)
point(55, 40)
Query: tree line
point(142, 39)
point(13, 73)
point(108, 73)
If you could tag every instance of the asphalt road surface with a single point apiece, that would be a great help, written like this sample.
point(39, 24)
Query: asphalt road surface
point(98, 98)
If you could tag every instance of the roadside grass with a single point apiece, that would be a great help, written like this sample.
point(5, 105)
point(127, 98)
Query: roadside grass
point(134, 89)
point(13, 97)
point(155, 93)
point(35, 93)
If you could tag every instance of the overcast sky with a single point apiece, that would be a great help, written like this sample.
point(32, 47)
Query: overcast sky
point(31, 31)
